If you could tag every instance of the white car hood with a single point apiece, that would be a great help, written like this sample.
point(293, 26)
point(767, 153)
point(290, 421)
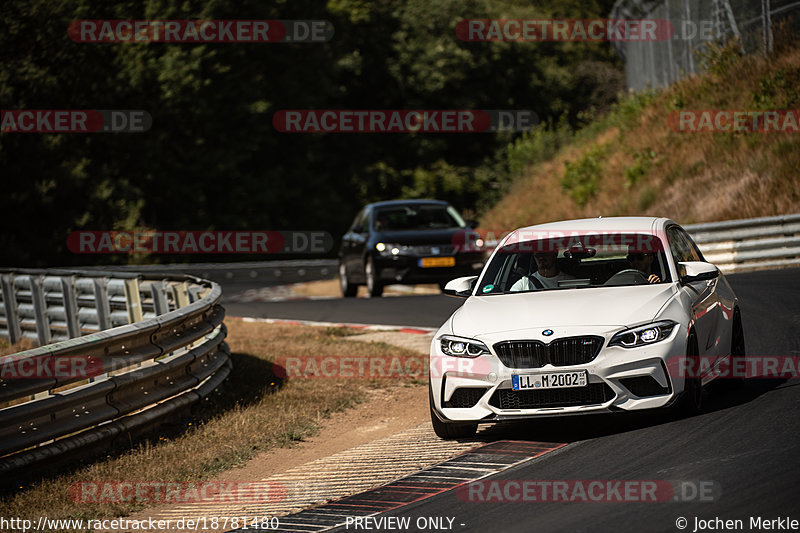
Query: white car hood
point(601, 306)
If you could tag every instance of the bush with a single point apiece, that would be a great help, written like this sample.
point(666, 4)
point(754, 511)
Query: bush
point(582, 178)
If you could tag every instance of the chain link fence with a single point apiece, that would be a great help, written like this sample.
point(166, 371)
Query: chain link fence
point(696, 24)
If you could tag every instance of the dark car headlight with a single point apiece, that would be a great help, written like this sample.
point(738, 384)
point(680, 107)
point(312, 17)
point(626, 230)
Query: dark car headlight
point(389, 249)
point(643, 335)
point(460, 347)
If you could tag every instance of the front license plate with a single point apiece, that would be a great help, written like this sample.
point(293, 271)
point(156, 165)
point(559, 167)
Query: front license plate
point(552, 380)
point(428, 262)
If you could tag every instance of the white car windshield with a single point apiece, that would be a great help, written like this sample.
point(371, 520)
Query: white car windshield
point(574, 262)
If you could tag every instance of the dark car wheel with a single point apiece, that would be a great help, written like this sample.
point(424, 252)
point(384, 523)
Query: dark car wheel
point(738, 353)
point(691, 402)
point(374, 286)
point(349, 289)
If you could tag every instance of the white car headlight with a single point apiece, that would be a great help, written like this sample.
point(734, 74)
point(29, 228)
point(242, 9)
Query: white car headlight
point(643, 335)
point(460, 347)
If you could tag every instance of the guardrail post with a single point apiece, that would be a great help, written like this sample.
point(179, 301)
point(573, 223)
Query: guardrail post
point(101, 304)
point(70, 306)
point(133, 300)
point(40, 310)
point(160, 302)
point(10, 303)
point(181, 295)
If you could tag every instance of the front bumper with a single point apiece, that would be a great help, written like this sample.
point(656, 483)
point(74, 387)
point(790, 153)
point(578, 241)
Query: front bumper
point(619, 379)
point(407, 269)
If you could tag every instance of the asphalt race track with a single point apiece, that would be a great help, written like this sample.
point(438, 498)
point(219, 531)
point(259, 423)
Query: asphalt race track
point(746, 443)
point(421, 310)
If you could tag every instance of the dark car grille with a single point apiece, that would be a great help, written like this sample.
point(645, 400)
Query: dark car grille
point(560, 352)
point(426, 250)
point(594, 393)
point(644, 386)
point(465, 398)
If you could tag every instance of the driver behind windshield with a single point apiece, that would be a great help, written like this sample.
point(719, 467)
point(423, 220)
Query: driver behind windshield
point(547, 274)
point(643, 262)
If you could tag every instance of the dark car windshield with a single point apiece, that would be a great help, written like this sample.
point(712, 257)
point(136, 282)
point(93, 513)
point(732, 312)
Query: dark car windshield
point(416, 217)
point(573, 262)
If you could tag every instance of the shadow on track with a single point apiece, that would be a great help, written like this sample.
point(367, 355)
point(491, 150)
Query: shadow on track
point(584, 427)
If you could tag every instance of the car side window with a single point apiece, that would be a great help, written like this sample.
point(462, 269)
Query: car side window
point(360, 222)
point(678, 247)
point(693, 249)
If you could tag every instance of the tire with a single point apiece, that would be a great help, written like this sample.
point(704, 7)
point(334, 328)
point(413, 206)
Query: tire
point(738, 352)
point(449, 430)
point(691, 401)
point(374, 286)
point(348, 289)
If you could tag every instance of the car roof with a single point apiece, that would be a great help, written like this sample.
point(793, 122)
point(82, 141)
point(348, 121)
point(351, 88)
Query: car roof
point(621, 224)
point(391, 203)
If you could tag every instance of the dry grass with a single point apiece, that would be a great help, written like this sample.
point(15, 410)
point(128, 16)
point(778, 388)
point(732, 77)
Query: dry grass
point(689, 177)
point(253, 412)
point(7, 349)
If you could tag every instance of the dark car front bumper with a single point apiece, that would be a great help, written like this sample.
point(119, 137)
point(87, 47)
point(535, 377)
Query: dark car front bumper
point(407, 269)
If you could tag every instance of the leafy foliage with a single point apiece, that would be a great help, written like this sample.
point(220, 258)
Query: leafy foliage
point(212, 159)
point(581, 178)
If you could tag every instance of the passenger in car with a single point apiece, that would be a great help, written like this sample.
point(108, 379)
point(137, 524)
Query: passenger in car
point(643, 262)
point(547, 274)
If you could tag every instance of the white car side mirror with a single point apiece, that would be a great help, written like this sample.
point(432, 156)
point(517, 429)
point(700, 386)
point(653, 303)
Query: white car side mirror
point(691, 271)
point(460, 287)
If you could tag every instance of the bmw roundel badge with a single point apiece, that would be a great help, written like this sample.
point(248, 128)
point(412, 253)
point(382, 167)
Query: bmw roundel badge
point(547, 332)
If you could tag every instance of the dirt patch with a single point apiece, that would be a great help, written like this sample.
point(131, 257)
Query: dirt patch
point(415, 341)
point(385, 413)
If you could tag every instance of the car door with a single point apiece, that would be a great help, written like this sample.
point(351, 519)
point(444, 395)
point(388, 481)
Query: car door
point(701, 294)
point(353, 246)
point(359, 234)
point(725, 299)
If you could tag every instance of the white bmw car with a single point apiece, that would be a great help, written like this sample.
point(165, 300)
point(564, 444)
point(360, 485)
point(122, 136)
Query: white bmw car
point(583, 316)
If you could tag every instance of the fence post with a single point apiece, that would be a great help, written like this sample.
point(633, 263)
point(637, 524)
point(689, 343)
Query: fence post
point(40, 310)
point(101, 304)
point(766, 26)
point(70, 306)
point(10, 303)
point(133, 300)
point(160, 303)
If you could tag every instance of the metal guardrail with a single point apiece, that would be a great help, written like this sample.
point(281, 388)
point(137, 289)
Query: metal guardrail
point(750, 244)
point(156, 345)
point(263, 272)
